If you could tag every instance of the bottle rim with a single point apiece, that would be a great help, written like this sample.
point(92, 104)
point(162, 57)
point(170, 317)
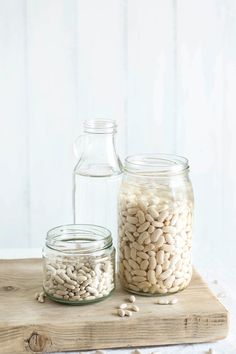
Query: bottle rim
point(78, 238)
point(100, 126)
point(156, 164)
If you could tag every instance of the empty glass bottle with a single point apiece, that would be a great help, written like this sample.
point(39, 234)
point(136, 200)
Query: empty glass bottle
point(97, 176)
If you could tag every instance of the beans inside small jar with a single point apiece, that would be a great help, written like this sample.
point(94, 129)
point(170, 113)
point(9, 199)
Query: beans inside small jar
point(79, 264)
point(155, 225)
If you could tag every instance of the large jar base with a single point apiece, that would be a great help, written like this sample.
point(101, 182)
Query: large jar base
point(152, 295)
point(148, 294)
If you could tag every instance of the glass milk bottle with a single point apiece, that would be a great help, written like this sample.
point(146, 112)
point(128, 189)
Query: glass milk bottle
point(97, 176)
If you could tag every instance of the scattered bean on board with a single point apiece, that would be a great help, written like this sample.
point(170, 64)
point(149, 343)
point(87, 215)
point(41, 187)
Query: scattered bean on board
point(155, 240)
point(164, 301)
point(70, 279)
point(132, 298)
point(127, 309)
point(134, 308)
point(123, 306)
point(40, 297)
point(211, 351)
point(128, 313)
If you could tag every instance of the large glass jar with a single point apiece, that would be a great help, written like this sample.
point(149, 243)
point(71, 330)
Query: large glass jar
point(155, 224)
point(79, 264)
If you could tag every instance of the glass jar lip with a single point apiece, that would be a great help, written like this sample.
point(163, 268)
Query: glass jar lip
point(100, 126)
point(79, 238)
point(156, 164)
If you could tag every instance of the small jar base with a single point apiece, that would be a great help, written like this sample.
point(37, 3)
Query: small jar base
point(78, 303)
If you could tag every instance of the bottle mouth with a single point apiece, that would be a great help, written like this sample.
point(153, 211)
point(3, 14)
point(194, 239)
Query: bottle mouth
point(100, 126)
point(78, 238)
point(156, 164)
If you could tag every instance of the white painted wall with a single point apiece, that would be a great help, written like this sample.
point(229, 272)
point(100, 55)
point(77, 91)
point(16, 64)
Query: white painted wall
point(164, 69)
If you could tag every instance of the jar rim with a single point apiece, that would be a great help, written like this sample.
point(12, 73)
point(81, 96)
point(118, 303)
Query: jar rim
point(79, 238)
point(156, 164)
point(100, 126)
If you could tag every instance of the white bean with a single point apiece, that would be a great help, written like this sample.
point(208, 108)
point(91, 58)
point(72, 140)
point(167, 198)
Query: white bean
point(142, 237)
point(166, 274)
point(151, 275)
point(132, 298)
point(132, 219)
point(173, 301)
point(121, 312)
point(144, 226)
point(156, 234)
point(141, 217)
point(123, 306)
point(128, 313)
point(134, 308)
point(163, 302)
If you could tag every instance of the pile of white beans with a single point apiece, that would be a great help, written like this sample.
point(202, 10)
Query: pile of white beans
point(155, 233)
point(73, 280)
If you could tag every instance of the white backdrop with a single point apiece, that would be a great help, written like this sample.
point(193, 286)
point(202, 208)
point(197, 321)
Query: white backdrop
point(164, 69)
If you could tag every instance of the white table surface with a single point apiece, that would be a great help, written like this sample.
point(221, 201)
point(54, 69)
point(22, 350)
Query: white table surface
point(213, 270)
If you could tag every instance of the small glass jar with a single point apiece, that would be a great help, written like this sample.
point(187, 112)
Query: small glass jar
point(155, 225)
point(79, 264)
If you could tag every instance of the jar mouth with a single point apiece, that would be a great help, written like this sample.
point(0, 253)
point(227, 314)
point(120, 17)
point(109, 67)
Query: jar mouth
point(79, 238)
point(156, 164)
point(100, 126)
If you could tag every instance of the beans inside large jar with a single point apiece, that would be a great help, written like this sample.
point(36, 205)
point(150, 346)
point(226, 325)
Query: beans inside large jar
point(155, 224)
point(79, 264)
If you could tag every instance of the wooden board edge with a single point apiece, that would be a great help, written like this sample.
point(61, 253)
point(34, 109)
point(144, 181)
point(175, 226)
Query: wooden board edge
point(38, 339)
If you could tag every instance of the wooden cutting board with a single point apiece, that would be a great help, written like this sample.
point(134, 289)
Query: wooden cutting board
point(28, 326)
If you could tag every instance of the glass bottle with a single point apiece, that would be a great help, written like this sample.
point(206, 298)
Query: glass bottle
point(78, 264)
point(97, 176)
point(155, 224)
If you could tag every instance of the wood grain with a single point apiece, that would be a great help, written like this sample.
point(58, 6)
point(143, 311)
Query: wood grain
point(28, 326)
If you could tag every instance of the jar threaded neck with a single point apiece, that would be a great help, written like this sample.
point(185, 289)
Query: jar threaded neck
point(100, 126)
point(79, 238)
point(156, 164)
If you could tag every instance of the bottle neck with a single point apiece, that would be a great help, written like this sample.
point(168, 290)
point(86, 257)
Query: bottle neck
point(99, 157)
point(101, 144)
point(100, 126)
